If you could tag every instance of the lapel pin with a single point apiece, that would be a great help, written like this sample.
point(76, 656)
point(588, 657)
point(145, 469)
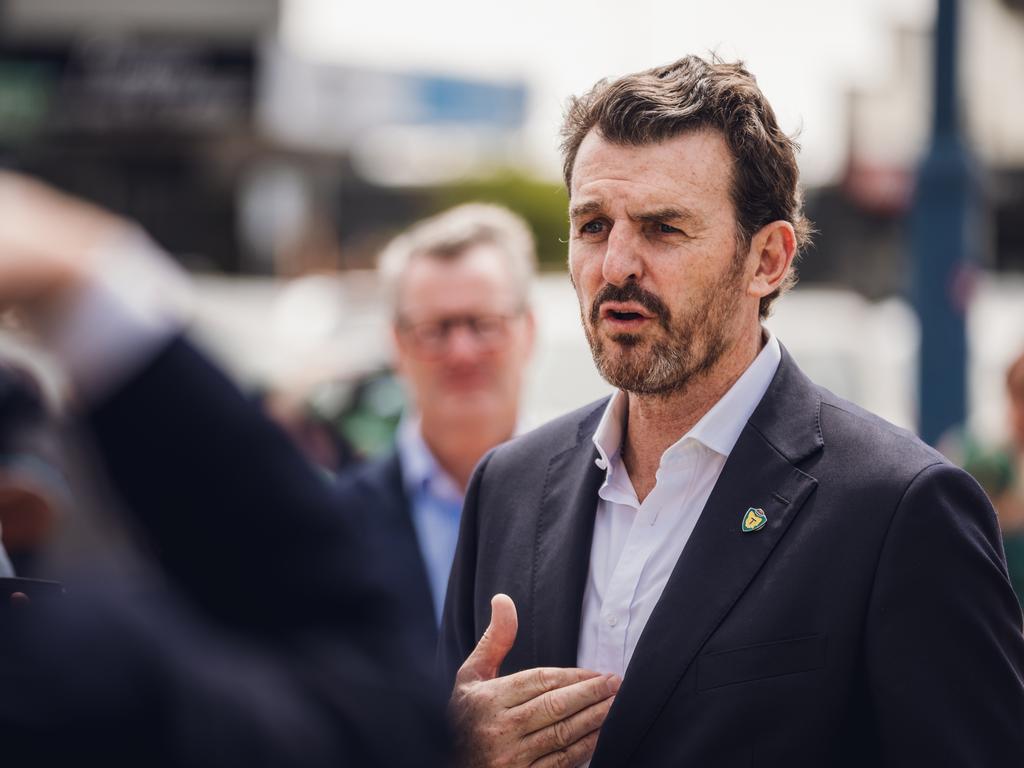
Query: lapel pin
point(754, 520)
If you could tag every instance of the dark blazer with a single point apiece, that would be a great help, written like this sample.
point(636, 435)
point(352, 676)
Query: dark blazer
point(870, 622)
point(375, 494)
point(273, 639)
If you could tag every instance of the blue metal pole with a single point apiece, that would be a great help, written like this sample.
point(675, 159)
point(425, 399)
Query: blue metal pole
point(945, 206)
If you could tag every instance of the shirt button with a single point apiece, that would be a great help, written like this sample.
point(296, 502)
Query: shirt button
point(612, 620)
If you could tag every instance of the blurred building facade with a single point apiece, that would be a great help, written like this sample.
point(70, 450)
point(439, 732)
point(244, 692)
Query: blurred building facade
point(244, 156)
point(145, 107)
point(863, 218)
point(236, 154)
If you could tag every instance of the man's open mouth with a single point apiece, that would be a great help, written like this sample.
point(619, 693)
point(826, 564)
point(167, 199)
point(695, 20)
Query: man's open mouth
point(624, 313)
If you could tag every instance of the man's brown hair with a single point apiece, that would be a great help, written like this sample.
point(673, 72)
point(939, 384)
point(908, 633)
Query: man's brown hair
point(448, 235)
point(697, 94)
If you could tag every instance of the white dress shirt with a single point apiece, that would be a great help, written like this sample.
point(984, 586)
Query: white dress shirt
point(636, 545)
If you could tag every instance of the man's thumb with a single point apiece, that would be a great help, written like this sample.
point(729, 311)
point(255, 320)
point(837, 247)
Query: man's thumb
point(497, 641)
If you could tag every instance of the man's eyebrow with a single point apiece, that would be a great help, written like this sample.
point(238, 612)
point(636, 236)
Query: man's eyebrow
point(585, 209)
point(669, 213)
point(663, 213)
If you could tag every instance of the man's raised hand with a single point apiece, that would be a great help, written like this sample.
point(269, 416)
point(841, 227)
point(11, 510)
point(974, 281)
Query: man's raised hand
point(542, 717)
point(46, 241)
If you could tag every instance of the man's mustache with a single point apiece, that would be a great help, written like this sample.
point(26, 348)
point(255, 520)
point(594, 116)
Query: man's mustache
point(630, 291)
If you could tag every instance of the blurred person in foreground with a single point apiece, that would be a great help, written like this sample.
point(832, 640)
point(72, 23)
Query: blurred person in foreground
point(1010, 503)
point(272, 639)
point(458, 284)
point(723, 564)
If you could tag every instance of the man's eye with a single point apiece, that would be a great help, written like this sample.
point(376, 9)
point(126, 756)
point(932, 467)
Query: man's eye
point(668, 229)
point(592, 227)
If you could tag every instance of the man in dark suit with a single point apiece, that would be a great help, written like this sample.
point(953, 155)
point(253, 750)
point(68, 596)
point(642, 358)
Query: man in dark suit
point(458, 287)
point(746, 569)
point(269, 637)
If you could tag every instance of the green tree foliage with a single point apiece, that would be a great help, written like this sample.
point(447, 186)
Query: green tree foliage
point(543, 204)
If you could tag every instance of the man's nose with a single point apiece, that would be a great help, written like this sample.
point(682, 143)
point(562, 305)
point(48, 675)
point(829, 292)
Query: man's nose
point(462, 343)
point(622, 257)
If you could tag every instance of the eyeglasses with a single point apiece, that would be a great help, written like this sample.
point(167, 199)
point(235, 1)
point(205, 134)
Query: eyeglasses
point(432, 336)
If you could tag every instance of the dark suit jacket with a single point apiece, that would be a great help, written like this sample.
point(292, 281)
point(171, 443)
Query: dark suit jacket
point(276, 639)
point(375, 494)
point(870, 622)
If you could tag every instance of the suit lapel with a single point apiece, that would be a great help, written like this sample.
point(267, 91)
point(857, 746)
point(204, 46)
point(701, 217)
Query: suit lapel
point(719, 560)
point(565, 528)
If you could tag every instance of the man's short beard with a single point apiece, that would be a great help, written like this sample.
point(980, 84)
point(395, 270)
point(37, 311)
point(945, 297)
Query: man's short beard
point(691, 346)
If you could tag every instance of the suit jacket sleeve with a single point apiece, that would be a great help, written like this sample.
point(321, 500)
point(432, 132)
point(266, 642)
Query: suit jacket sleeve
point(250, 535)
point(238, 519)
point(944, 650)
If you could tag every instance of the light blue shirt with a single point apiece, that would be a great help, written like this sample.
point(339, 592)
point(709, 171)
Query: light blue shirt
point(436, 503)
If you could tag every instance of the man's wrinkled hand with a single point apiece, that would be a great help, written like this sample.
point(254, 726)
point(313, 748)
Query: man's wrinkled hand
point(540, 717)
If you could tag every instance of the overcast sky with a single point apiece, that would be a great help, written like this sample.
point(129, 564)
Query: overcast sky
point(805, 53)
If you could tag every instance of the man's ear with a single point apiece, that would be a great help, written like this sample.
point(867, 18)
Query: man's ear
point(398, 347)
point(773, 247)
point(531, 332)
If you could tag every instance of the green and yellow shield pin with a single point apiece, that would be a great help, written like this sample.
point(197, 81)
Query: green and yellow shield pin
point(754, 520)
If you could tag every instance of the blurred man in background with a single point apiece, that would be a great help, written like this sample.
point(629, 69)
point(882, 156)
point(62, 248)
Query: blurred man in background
point(458, 285)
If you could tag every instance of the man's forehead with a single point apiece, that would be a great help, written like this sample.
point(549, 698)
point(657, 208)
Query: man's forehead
point(481, 275)
point(695, 165)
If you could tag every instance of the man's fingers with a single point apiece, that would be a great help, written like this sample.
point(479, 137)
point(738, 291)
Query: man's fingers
point(497, 641)
point(572, 756)
point(530, 683)
point(562, 703)
point(563, 734)
point(551, 713)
